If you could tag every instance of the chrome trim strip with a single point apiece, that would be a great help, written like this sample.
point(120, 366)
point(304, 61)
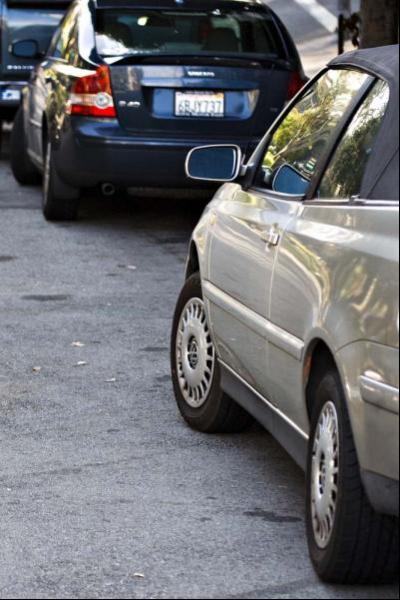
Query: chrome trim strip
point(276, 410)
point(279, 195)
point(379, 394)
point(272, 333)
point(35, 123)
point(348, 204)
point(382, 203)
point(36, 158)
point(14, 83)
point(58, 59)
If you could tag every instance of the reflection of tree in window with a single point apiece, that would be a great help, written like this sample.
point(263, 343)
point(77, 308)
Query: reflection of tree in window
point(344, 176)
point(305, 133)
point(64, 42)
point(71, 53)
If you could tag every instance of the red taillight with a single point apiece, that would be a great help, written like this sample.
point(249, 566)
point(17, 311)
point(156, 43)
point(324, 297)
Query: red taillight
point(91, 95)
point(295, 84)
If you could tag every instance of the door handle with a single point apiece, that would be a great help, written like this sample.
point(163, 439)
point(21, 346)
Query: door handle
point(271, 236)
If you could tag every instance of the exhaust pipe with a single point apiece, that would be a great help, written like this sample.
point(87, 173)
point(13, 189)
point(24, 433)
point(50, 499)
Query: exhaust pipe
point(108, 189)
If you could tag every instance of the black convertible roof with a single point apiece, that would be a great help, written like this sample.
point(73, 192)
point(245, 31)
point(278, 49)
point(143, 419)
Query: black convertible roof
point(382, 178)
point(383, 62)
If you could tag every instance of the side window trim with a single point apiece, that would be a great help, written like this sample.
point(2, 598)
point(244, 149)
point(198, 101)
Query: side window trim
point(256, 159)
point(326, 158)
point(278, 195)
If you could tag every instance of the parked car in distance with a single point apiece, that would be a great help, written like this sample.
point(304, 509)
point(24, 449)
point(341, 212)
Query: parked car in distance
point(290, 310)
point(128, 88)
point(26, 31)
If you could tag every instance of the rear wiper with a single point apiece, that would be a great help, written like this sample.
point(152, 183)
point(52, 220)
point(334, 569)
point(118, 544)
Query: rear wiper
point(225, 61)
point(182, 60)
point(271, 61)
point(203, 60)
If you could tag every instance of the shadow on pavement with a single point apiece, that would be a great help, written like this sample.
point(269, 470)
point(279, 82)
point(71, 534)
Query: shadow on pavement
point(155, 214)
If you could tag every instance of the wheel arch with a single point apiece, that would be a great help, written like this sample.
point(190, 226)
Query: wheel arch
point(49, 129)
point(193, 262)
point(317, 359)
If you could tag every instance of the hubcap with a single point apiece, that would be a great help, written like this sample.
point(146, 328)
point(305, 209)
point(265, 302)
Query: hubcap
point(324, 475)
point(195, 354)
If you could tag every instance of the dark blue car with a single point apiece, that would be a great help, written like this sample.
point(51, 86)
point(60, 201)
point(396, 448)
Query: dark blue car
point(128, 88)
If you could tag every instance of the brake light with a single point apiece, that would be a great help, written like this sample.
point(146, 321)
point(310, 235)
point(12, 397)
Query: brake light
point(91, 95)
point(295, 84)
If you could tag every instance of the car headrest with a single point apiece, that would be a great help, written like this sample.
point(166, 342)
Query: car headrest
point(121, 33)
point(222, 40)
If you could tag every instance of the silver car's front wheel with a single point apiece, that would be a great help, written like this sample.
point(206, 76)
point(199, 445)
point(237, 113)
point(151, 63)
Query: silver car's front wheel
point(195, 370)
point(195, 354)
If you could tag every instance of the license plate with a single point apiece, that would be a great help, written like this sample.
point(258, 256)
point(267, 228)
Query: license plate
point(10, 95)
point(199, 104)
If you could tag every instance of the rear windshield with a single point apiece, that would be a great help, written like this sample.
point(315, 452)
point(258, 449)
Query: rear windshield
point(201, 33)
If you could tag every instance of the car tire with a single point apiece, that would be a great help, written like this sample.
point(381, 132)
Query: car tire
point(349, 542)
point(22, 167)
point(60, 201)
point(195, 370)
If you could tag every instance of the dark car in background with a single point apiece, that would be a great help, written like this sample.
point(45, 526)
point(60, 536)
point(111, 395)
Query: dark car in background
point(128, 88)
point(31, 22)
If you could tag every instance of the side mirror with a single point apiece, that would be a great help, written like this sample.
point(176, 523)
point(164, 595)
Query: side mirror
point(26, 49)
point(287, 180)
point(214, 163)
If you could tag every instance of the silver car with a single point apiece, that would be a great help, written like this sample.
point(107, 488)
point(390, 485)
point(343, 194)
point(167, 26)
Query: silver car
point(290, 309)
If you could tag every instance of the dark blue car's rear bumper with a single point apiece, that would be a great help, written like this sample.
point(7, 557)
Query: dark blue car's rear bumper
point(92, 152)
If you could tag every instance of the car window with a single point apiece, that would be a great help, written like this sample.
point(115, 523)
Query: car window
point(214, 32)
point(343, 177)
point(305, 133)
point(71, 53)
point(62, 40)
point(54, 43)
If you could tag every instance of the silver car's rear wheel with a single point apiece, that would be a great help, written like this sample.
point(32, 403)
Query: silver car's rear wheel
point(324, 475)
point(348, 541)
point(195, 354)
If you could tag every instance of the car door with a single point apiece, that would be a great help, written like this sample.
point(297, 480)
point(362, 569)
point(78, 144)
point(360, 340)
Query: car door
point(45, 78)
point(324, 285)
point(245, 235)
point(249, 225)
point(36, 103)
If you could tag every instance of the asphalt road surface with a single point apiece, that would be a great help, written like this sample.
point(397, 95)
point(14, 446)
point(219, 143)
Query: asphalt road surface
point(104, 492)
